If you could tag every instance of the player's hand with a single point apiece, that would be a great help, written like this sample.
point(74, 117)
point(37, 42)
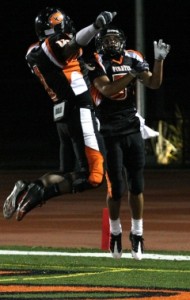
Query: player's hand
point(139, 67)
point(104, 18)
point(161, 50)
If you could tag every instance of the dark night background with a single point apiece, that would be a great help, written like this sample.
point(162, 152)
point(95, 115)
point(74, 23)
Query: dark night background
point(28, 137)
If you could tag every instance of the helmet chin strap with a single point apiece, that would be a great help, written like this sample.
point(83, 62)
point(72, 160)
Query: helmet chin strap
point(114, 55)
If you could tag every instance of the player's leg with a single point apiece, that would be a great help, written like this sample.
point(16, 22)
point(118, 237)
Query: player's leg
point(135, 168)
point(67, 158)
point(49, 186)
point(116, 189)
point(93, 140)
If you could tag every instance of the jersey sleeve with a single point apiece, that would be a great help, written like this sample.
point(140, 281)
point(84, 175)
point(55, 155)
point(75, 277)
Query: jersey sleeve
point(59, 52)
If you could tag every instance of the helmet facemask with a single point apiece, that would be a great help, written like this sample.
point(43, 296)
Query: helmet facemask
point(112, 44)
point(110, 41)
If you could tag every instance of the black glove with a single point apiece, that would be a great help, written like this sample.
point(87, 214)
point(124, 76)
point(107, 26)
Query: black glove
point(103, 19)
point(139, 67)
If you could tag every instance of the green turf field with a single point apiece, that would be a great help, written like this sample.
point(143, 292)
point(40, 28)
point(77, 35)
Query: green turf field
point(48, 273)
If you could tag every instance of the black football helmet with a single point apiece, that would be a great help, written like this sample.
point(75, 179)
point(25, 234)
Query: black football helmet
point(51, 20)
point(111, 41)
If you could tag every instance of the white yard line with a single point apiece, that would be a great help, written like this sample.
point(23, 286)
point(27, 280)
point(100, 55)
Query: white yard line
point(93, 254)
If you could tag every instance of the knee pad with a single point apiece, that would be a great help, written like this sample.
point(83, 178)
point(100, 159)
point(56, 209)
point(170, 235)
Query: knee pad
point(135, 188)
point(118, 189)
point(82, 184)
point(136, 181)
point(78, 181)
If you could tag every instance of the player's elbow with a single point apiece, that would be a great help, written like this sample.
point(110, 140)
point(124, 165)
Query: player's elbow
point(154, 85)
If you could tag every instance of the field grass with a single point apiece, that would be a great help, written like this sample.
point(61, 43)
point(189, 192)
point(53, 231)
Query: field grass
point(47, 275)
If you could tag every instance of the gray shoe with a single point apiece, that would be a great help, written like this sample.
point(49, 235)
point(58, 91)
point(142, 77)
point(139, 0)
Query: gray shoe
point(10, 204)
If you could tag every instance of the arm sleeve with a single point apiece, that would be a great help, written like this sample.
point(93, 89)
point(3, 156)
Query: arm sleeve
point(85, 35)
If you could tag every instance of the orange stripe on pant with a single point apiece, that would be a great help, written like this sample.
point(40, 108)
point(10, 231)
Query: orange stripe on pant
point(109, 189)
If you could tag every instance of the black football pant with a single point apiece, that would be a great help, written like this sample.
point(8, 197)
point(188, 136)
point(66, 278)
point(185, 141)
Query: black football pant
point(125, 153)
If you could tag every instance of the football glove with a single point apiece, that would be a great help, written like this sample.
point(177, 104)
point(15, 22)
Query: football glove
point(161, 50)
point(139, 67)
point(103, 19)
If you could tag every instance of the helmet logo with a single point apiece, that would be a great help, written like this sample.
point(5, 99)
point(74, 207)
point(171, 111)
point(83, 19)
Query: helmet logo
point(56, 18)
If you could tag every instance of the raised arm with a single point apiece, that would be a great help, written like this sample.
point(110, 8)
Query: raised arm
point(153, 80)
point(85, 35)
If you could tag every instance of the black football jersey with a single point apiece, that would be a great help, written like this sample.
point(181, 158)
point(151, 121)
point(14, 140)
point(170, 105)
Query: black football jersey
point(63, 79)
point(116, 117)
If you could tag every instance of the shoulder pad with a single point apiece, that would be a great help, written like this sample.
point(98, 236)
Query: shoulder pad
point(135, 54)
point(33, 46)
